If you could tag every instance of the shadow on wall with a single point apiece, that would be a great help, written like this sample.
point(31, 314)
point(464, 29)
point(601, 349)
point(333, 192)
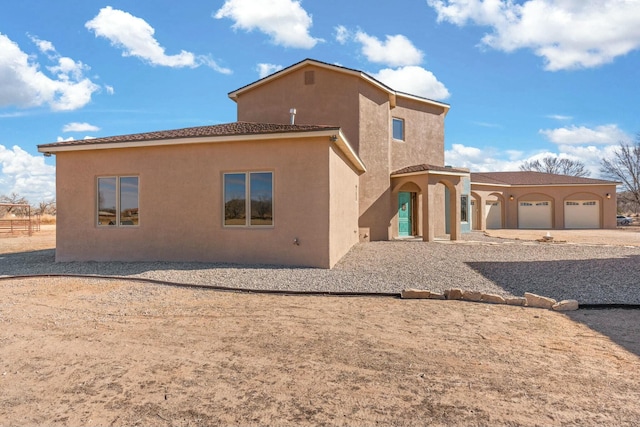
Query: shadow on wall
point(377, 218)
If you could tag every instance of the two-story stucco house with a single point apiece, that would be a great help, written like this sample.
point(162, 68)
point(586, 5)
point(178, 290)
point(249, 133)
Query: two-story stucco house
point(321, 157)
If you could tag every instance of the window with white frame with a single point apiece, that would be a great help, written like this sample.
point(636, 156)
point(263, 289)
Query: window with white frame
point(248, 199)
point(398, 129)
point(118, 201)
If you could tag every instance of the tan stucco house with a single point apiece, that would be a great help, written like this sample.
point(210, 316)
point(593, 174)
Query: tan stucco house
point(321, 157)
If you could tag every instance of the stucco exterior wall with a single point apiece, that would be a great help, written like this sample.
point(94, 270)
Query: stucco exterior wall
point(343, 222)
point(424, 134)
point(331, 100)
point(376, 208)
point(364, 113)
point(181, 204)
point(557, 195)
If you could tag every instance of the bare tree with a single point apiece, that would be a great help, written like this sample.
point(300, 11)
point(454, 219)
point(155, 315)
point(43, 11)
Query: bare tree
point(46, 207)
point(16, 199)
point(624, 166)
point(556, 166)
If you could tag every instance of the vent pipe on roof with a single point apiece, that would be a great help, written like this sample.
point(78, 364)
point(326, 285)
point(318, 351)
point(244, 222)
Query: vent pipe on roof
point(293, 116)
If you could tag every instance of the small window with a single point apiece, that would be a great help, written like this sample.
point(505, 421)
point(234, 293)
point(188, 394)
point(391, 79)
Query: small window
point(464, 208)
point(248, 192)
point(118, 201)
point(526, 204)
point(542, 204)
point(398, 129)
point(591, 203)
point(573, 204)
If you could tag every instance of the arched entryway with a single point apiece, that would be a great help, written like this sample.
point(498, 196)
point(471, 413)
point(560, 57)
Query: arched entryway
point(427, 198)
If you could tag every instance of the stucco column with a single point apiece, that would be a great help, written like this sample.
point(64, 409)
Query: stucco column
point(455, 230)
point(428, 224)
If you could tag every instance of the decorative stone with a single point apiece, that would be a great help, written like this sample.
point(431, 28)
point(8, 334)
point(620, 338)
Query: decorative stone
point(519, 301)
point(415, 294)
point(566, 305)
point(492, 298)
point(453, 293)
point(534, 300)
point(471, 295)
point(436, 295)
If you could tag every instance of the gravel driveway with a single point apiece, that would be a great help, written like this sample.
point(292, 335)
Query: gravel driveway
point(591, 274)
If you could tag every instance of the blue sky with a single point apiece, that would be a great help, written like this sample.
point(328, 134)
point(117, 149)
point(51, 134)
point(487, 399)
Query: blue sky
point(525, 79)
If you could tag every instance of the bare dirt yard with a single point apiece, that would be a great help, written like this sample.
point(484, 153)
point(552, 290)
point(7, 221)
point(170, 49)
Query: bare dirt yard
point(76, 351)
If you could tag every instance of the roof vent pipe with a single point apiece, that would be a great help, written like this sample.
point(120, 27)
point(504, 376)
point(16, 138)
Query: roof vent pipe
point(293, 116)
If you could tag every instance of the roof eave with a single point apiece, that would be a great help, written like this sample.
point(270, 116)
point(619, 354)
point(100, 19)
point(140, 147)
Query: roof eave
point(393, 95)
point(334, 134)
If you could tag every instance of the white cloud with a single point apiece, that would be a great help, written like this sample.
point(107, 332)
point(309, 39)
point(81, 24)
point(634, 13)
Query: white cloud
point(414, 80)
point(136, 38)
point(43, 45)
point(559, 117)
point(110, 90)
point(395, 51)
point(80, 127)
point(489, 159)
point(266, 69)
point(567, 34)
point(605, 134)
point(285, 21)
point(23, 84)
point(26, 175)
point(342, 34)
point(484, 159)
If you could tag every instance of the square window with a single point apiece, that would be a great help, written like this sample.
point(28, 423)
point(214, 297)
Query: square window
point(250, 192)
point(398, 129)
point(118, 201)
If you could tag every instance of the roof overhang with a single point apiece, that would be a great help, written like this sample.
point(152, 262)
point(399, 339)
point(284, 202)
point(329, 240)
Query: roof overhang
point(335, 136)
point(606, 184)
point(393, 95)
point(431, 172)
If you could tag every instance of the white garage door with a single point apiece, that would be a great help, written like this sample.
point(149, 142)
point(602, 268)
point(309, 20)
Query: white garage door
point(534, 215)
point(581, 214)
point(493, 214)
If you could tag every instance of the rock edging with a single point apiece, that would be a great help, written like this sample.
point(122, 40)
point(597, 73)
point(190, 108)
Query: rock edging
point(528, 300)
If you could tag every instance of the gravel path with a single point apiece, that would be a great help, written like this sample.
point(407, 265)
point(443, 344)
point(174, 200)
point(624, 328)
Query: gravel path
point(591, 274)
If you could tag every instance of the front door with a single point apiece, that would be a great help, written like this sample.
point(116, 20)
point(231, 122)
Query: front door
point(404, 214)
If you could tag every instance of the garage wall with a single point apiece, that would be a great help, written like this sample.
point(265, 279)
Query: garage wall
point(511, 197)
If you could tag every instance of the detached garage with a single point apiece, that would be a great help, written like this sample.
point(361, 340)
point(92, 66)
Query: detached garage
point(535, 200)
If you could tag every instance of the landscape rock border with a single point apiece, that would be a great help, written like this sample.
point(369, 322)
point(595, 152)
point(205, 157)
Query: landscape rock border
point(528, 300)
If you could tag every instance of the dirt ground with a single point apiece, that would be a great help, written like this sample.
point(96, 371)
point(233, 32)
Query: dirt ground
point(98, 352)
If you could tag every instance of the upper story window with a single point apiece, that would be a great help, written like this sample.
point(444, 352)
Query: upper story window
point(118, 201)
point(398, 129)
point(248, 199)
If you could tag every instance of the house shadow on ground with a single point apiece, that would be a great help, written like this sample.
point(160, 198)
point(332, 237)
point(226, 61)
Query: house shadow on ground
point(592, 281)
